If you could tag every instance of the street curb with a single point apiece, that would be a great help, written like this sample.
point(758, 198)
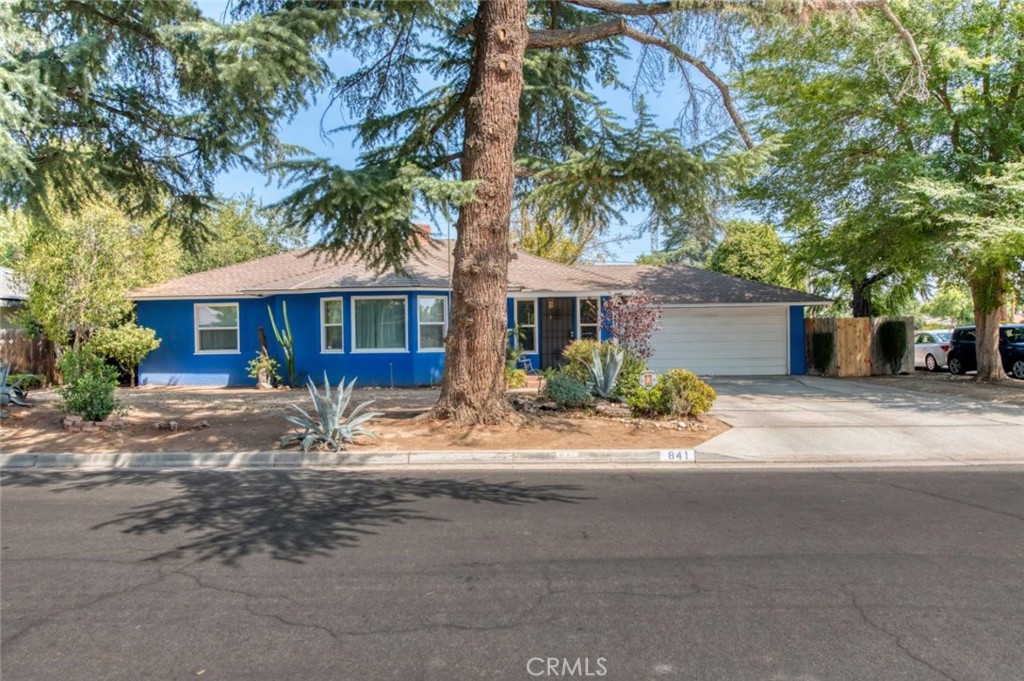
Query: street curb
point(279, 459)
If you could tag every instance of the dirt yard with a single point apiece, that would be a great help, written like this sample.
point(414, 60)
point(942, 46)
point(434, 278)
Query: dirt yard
point(248, 420)
point(1010, 391)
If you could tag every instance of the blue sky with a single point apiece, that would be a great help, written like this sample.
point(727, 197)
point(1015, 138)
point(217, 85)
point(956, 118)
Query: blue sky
point(304, 130)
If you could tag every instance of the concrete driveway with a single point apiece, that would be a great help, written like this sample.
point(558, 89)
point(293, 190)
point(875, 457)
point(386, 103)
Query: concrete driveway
point(812, 419)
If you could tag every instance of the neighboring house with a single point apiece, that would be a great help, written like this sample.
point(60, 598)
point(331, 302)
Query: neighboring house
point(12, 297)
point(389, 329)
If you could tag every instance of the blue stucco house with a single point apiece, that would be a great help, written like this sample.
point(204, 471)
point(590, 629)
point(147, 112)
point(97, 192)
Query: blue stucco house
point(389, 329)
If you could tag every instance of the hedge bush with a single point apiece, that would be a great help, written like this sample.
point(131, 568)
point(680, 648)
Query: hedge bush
point(823, 346)
point(892, 340)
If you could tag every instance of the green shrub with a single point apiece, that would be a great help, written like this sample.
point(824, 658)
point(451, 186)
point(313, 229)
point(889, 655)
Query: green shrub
point(88, 385)
point(566, 391)
point(677, 393)
point(515, 378)
point(823, 345)
point(262, 363)
point(578, 356)
point(27, 381)
point(690, 395)
point(892, 340)
point(629, 376)
point(127, 345)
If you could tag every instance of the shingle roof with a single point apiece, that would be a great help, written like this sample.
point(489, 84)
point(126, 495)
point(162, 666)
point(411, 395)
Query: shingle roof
point(10, 287)
point(305, 270)
point(685, 285)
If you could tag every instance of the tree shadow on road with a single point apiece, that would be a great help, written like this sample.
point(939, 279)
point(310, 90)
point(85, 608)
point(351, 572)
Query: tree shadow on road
point(289, 515)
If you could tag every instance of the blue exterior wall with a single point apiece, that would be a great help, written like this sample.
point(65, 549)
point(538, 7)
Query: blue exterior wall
point(797, 342)
point(175, 362)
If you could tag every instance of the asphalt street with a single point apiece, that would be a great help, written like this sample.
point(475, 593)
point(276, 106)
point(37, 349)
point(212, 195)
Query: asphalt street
point(688, 574)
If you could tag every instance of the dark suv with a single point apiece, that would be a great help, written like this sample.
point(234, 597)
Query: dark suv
point(962, 357)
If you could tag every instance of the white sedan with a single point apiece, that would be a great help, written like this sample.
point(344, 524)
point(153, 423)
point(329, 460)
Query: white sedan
point(930, 348)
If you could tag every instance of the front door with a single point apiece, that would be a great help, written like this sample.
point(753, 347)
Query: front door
point(556, 330)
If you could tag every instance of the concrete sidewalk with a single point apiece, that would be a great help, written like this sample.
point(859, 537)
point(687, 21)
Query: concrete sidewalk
point(811, 419)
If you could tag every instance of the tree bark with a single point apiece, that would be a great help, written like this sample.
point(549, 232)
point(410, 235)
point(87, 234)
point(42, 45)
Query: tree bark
point(988, 291)
point(473, 386)
point(861, 304)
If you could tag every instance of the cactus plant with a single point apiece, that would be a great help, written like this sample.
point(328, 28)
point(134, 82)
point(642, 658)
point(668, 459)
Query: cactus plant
point(286, 341)
point(330, 428)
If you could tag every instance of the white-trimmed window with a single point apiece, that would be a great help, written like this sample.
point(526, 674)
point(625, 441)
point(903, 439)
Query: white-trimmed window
point(216, 328)
point(433, 321)
point(526, 321)
point(590, 318)
point(332, 325)
point(379, 324)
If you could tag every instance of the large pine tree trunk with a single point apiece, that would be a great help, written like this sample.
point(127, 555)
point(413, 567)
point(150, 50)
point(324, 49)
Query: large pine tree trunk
point(988, 290)
point(473, 387)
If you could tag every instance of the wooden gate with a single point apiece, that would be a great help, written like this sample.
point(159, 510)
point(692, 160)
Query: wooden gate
point(852, 355)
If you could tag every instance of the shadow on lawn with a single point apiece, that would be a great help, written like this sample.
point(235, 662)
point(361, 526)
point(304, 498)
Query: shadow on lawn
point(290, 515)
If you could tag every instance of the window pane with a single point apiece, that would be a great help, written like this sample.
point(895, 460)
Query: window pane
point(588, 332)
point(526, 312)
point(332, 312)
point(218, 339)
point(332, 338)
point(528, 341)
point(431, 336)
point(588, 311)
point(431, 309)
point(380, 324)
point(213, 316)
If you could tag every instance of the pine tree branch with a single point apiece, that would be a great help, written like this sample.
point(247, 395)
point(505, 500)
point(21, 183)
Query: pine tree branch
point(570, 37)
point(618, 27)
point(641, 9)
point(723, 89)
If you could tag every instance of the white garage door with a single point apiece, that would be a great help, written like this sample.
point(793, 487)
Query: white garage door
point(722, 341)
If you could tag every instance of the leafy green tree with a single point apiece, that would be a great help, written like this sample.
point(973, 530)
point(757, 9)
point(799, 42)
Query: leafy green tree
point(127, 344)
point(240, 230)
point(884, 190)
point(752, 250)
point(951, 304)
point(80, 267)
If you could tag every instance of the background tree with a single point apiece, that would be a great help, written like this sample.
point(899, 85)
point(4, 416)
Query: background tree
point(753, 250)
point(240, 230)
point(890, 189)
point(80, 267)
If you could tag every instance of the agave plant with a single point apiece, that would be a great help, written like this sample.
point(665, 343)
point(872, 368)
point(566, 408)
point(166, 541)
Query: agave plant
point(13, 393)
point(604, 371)
point(331, 428)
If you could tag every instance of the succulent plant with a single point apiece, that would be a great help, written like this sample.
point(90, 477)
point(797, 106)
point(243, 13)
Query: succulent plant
point(605, 365)
point(12, 393)
point(331, 428)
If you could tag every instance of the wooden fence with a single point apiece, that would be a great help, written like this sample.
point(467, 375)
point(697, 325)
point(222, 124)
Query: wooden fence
point(26, 354)
point(857, 350)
